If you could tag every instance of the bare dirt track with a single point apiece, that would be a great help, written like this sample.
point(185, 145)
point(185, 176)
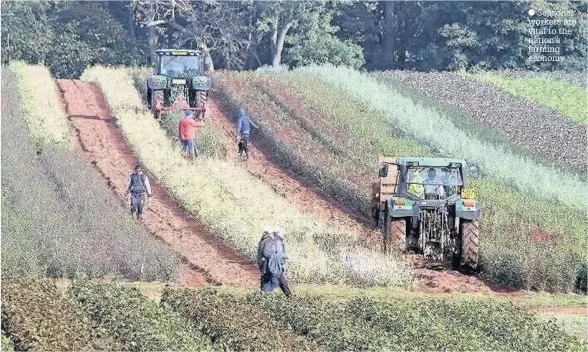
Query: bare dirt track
point(209, 260)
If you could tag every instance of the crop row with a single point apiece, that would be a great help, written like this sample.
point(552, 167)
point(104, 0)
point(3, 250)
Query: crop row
point(135, 321)
point(235, 205)
point(361, 324)
point(58, 219)
point(558, 95)
point(93, 315)
point(240, 327)
point(36, 316)
point(496, 116)
point(433, 129)
point(41, 108)
point(511, 217)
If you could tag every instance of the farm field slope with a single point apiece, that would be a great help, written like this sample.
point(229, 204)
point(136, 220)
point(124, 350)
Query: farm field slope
point(220, 194)
point(103, 146)
point(558, 95)
point(497, 116)
point(264, 157)
point(51, 199)
point(332, 128)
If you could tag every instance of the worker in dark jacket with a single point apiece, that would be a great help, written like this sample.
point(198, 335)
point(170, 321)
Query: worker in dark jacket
point(137, 186)
point(271, 256)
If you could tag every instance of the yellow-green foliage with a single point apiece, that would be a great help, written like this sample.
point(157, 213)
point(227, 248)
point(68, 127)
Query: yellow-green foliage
point(235, 205)
point(558, 95)
point(42, 111)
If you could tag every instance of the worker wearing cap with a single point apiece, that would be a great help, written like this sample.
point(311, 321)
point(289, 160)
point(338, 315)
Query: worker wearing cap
point(187, 128)
point(271, 256)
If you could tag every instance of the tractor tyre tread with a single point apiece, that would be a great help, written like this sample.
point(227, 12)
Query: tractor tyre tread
point(397, 233)
point(470, 244)
point(157, 96)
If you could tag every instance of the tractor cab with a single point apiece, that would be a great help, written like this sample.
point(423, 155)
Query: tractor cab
point(180, 82)
point(180, 63)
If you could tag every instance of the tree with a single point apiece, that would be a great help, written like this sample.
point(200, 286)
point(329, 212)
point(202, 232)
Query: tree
point(315, 42)
point(26, 33)
point(160, 16)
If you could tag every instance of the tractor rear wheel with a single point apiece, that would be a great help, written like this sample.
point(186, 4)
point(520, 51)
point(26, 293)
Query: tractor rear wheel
point(470, 242)
point(156, 100)
point(396, 236)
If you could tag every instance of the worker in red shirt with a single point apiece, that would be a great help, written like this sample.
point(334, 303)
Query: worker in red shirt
point(187, 128)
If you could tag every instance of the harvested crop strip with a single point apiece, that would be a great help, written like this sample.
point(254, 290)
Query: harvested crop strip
point(38, 318)
point(137, 322)
point(536, 130)
point(58, 219)
point(236, 206)
point(41, 109)
point(558, 95)
point(241, 327)
point(433, 129)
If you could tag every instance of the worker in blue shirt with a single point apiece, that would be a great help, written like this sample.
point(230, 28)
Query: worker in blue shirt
point(244, 124)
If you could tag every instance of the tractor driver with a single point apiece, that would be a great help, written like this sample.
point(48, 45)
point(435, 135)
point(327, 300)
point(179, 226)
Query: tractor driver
point(433, 187)
point(415, 184)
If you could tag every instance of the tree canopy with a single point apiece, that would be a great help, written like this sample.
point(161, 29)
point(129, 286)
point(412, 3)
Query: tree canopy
point(421, 35)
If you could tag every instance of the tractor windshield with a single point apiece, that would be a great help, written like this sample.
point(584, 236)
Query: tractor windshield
point(181, 66)
point(433, 182)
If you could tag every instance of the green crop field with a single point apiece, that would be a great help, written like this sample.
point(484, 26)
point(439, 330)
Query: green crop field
point(327, 126)
point(95, 315)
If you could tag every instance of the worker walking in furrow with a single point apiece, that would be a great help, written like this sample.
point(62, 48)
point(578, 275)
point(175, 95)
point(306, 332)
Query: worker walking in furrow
point(271, 257)
point(137, 186)
point(244, 124)
point(187, 128)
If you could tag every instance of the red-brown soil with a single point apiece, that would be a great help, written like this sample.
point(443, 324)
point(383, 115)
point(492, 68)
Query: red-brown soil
point(102, 144)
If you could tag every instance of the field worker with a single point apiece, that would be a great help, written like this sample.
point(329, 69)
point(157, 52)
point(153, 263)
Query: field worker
point(271, 256)
point(137, 186)
point(415, 185)
point(433, 186)
point(187, 128)
point(244, 124)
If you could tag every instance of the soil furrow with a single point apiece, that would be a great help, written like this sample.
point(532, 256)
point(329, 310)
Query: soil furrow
point(102, 145)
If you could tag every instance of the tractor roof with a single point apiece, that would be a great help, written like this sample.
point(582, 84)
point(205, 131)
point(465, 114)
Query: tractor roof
point(179, 52)
point(434, 162)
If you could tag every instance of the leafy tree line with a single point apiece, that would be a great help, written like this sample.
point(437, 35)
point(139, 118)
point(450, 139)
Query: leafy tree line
point(422, 35)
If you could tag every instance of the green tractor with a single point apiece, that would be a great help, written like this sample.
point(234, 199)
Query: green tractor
point(423, 206)
point(179, 82)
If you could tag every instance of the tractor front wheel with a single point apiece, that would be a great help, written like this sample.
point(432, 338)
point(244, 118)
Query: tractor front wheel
point(396, 236)
point(470, 242)
point(201, 101)
point(156, 101)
